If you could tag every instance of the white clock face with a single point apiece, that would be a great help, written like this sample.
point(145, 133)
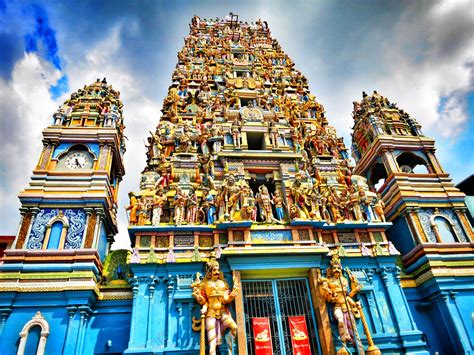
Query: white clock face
point(77, 160)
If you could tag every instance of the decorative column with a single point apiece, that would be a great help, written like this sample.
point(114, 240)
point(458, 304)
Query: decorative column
point(433, 161)
point(151, 292)
point(403, 319)
point(89, 233)
point(171, 321)
point(85, 312)
point(4, 314)
point(71, 332)
point(26, 220)
point(45, 155)
point(452, 319)
point(465, 223)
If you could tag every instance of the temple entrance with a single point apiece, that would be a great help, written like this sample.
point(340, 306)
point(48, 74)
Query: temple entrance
point(278, 301)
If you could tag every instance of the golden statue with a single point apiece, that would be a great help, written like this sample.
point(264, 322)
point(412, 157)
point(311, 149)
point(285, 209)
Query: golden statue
point(335, 290)
point(213, 294)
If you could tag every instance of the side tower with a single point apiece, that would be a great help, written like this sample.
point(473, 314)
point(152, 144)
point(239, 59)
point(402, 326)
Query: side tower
point(430, 225)
point(51, 278)
point(71, 201)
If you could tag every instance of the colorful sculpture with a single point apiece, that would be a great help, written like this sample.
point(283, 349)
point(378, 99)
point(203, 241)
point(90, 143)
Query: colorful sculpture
point(235, 94)
point(213, 294)
point(336, 291)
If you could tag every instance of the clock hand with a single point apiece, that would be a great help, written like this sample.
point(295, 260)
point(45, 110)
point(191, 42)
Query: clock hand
point(77, 162)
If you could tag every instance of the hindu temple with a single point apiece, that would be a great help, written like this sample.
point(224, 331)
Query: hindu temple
point(252, 230)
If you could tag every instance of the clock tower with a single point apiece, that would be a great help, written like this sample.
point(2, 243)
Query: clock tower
point(71, 201)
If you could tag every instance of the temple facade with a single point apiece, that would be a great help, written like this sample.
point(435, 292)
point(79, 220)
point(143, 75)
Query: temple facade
point(252, 231)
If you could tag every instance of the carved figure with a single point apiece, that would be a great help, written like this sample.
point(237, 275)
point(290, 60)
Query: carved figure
point(336, 291)
point(208, 204)
point(132, 207)
point(265, 203)
point(192, 207)
point(379, 205)
point(158, 203)
point(278, 202)
point(179, 204)
point(214, 294)
point(236, 134)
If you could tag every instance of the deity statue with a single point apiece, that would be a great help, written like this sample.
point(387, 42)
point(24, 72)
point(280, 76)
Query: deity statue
point(299, 195)
point(379, 205)
point(214, 294)
point(265, 203)
point(132, 207)
point(216, 138)
point(229, 198)
point(179, 203)
point(209, 206)
point(236, 134)
point(192, 207)
point(207, 168)
point(335, 290)
point(274, 134)
point(142, 209)
point(159, 201)
point(278, 202)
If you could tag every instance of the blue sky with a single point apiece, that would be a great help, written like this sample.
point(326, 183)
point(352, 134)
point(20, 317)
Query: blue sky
point(418, 54)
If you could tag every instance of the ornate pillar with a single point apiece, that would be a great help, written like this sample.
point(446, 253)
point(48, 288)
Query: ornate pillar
point(45, 155)
point(433, 161)
point(4, 314)
point(71, 332)
point(151, 292)
point(452, 319)
point(85, 312)
point(389, 160)
point(171, 321)
point(465, 223)
point(414, 225)
point(396, 298)
point(26, 221)
point(89, 232)
point(141, 311)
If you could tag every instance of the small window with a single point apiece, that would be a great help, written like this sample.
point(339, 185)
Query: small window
point(256, 141)
point(55, 235)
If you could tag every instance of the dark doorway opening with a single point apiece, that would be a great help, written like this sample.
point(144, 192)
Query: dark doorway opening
point(256, 141)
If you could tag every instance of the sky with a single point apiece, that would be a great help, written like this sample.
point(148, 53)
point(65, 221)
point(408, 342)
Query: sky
point(419, 54)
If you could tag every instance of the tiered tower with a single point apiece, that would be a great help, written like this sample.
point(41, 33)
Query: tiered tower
point(68, 223)
point(244, 168)
point(430, 225)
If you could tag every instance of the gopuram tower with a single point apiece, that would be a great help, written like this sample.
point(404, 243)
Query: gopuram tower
point(249, 230)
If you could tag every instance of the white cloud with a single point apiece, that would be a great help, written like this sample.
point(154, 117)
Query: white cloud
point(141, 114)
point(429, 62)
point(26, 108)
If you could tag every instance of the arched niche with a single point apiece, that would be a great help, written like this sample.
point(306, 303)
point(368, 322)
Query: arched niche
point(411, 163)
point(52, 227)
point(443, 229)
point(37, 320)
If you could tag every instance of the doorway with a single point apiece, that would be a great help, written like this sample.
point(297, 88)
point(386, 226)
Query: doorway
point(278, 300)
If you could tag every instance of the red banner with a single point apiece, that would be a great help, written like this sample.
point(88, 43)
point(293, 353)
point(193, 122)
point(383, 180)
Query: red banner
point(299, 335)
point(262, 336)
